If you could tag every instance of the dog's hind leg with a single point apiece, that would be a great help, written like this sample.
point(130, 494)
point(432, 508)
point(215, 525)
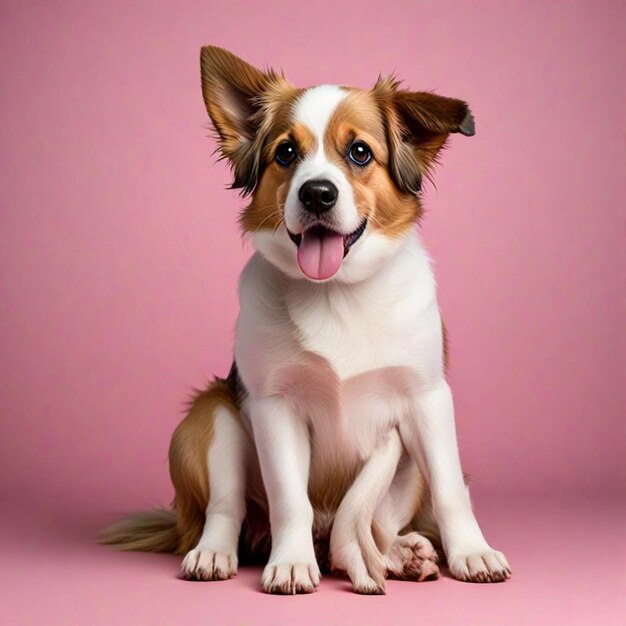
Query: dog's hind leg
point(408, 556)
point(352, 545)
point(208, 469)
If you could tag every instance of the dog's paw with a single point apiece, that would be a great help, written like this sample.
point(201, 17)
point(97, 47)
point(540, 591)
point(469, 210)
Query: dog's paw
point(290, 578)
point(480, 566)
point(368, 586)
point(365, 569)
point(203, 564)
point(412, 557)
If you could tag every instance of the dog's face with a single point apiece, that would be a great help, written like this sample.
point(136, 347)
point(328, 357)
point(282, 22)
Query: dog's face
point(334, 172)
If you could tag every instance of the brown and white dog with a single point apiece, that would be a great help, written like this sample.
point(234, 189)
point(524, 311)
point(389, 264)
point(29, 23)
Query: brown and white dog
point(332, 441)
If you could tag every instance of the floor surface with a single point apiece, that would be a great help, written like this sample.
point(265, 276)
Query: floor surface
point(568, 559)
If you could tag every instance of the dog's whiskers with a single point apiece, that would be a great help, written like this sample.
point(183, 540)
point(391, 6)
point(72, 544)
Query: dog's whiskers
point(277, 212)
point(281, 221)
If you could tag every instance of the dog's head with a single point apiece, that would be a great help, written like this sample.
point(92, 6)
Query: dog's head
point(334, 172)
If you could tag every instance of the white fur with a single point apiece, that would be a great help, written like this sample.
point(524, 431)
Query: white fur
point(352, 547)
point(283, 449)
point(378, 365)
point(215, 556)
point(315, 109)
point(334, 368)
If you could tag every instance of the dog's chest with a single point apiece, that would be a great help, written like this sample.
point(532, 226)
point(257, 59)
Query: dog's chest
point(353, 332)
point(366, 341)
point(347, 357)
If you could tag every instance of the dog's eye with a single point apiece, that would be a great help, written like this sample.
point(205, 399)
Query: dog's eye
point(360, 153)
point(286, 153)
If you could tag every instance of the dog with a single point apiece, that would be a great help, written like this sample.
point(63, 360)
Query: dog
point(331, 443)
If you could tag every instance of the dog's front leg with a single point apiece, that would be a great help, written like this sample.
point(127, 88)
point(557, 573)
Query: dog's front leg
point(282, 441)
point(430, 435)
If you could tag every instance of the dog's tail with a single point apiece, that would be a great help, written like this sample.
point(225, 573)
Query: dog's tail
point(148, 531)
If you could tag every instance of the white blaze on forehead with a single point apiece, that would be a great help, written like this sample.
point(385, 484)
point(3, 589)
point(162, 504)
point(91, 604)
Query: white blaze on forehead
point(320, 257)
point(315, 108)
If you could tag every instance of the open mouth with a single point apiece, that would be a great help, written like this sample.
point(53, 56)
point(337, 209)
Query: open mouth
point(321, 250)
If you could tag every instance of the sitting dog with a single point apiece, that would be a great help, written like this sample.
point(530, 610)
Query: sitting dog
point(332, 441)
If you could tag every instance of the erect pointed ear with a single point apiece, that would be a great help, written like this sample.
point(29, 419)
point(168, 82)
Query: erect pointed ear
point(418, 125)
point(234, 93)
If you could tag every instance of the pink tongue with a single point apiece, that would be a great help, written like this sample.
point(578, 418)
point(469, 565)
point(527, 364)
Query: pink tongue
point(320, 257)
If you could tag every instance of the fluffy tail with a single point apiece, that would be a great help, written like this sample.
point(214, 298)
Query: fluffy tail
point(148, 531)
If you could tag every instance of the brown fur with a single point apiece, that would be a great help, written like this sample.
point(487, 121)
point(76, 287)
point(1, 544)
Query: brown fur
point(418, 125)
point(164, 531)
point(446, 346)
point(244, 105)
point(251, 112)
point(188, 462)
point(405, 130)
point(327, 492)
point(378, 198)
point(266, 208)
point(179, 530)
point(148, 531)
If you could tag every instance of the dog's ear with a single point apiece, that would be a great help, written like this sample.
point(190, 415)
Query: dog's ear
point(234, 93)
point(418, 125)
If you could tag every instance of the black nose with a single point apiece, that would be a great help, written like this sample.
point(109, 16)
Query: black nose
point(318, 196)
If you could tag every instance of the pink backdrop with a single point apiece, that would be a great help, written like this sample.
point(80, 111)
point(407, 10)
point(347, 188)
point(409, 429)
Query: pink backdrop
point(119, 257)
point(119, 254)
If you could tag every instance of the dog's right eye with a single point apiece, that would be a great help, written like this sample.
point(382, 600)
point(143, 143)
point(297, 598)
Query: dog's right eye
point(286, 153)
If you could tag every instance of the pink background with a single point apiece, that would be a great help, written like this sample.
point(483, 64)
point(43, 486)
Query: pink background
point(119, 251)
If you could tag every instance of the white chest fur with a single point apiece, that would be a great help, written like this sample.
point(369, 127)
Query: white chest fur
point(343, 353)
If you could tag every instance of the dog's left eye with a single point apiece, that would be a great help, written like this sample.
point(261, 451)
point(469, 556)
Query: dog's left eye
point(360, 153)
point(286, 153)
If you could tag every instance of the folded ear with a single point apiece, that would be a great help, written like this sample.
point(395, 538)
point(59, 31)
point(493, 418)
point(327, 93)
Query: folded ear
point(418, 125)
point(233, 93)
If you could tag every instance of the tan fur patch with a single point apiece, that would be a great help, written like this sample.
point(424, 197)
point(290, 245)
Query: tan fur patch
point(446, 346)
point(267, 207)
point(251, 110)
point(358, 118)
point(303, 138)
point(266, 211)
point(188, 461)
point(245, 106)
point(326, 491)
